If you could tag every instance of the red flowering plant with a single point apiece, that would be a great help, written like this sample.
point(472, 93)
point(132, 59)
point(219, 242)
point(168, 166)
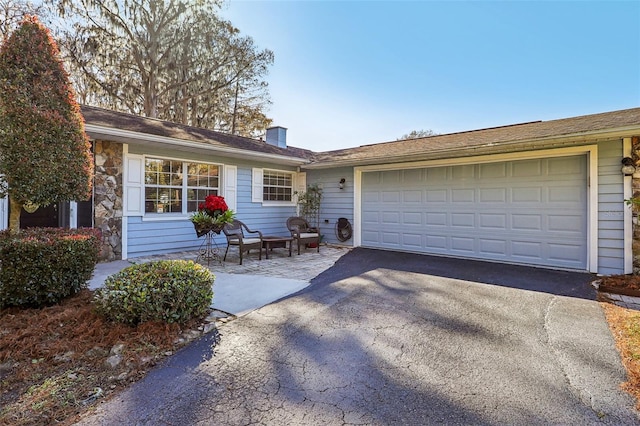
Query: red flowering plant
point(211, 215)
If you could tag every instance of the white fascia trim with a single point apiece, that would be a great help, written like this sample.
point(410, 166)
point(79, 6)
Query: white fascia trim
point(628, 211)
point(491, 148)
point(128, 135)
point(480, 159)
point(592, 204)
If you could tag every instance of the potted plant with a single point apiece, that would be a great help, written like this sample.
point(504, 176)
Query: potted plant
point(211, 215)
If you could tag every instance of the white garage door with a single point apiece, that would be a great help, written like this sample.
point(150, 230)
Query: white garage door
point(528, 211)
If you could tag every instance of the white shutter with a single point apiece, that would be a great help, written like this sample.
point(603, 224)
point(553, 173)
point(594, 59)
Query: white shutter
point(256, 185)
point(133, 185)
point(301, 182)
point(301, 186)
point(230, 180)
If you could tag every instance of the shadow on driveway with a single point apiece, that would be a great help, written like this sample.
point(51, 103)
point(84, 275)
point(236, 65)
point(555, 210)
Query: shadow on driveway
point(559, 283)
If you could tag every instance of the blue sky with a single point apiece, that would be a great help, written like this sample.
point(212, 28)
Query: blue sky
point(349, 73)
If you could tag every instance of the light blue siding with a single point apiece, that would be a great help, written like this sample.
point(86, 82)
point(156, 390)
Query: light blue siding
point(336, 202)
point(149, 237)
point(610, 209)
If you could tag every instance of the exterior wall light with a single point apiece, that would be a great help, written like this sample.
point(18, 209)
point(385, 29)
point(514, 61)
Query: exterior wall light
point(343, 180)
point(628, 166)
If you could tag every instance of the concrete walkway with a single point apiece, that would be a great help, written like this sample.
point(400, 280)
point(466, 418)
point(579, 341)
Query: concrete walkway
point(240, 289)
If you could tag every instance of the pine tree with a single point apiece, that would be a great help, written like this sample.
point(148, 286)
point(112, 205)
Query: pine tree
point(45, 155)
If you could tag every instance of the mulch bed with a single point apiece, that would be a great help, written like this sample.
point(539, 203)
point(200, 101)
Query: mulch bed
point(627, 282)
point(52, 360)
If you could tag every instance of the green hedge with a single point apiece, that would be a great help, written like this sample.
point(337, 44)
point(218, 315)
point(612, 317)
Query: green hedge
point(41, 266)
point(172, 291)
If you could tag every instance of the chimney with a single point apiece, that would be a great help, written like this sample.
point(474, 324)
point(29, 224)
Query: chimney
point(277, 136)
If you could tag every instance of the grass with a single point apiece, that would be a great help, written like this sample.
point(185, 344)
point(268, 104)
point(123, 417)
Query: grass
point(625, 328)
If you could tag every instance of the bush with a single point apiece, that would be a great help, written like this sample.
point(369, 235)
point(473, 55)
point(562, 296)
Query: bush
point(41, 266)
point(172, 291)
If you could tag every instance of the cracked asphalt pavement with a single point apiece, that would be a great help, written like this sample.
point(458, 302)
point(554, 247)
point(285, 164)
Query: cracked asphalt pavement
point(386, 338)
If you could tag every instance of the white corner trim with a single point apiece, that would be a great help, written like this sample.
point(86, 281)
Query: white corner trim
point(628, 212)
point(592, 206)
point(124, 238)
point(357, 206)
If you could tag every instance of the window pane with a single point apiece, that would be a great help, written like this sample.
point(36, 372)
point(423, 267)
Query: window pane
point(277, 186)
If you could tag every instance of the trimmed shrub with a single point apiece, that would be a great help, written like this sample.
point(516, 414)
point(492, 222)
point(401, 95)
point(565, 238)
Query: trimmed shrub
point(42, 266)
point(172, 291)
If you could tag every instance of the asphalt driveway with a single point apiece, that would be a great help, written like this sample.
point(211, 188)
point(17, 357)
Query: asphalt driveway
point(387, 338)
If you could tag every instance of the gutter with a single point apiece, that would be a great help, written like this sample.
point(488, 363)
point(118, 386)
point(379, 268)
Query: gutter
point(127, 136)
point(486, 149)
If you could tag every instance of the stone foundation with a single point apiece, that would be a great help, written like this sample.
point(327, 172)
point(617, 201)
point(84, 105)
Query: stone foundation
point(107, 198)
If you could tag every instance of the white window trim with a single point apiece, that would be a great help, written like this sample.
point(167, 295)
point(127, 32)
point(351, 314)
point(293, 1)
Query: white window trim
point(257, 184)
point(169, 217)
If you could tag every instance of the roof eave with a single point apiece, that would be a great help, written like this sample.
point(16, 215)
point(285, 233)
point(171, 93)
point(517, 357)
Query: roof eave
point(127, 136)
point(580, 138)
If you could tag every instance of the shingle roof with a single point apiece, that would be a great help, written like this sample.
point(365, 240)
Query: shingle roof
point(134, 123)
point(512, 138)
point(497, 138)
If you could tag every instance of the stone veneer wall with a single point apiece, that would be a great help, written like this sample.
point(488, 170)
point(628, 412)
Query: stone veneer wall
point(107, 197)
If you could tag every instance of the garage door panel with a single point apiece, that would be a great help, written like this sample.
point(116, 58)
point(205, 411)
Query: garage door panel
point(464, 220)
point(564, 194)
point(528, 222)
point(563, 252)
point(412, 240)
point(526, 195)
point(462, 244)
point(436, 242)
point(527, 168)
point(493, 221)
point(436, 195)
point(493, 170)
point(412, 218)
point(390, 197)
point(531, 211)
point(370, 197)
point(493, 247)
point(463, 195)
point(526, 250)
point(436, 219)
point(412, 176)
point(391, 218)
point(565, 166)
point(565, 223)
point(464, 172)
point(413, 196)
point(391, 238)
point(493, 195)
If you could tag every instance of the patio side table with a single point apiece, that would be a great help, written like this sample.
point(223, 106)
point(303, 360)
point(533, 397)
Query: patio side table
point(270, 242)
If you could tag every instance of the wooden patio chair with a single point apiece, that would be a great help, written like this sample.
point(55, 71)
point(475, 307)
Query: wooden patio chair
point(235, 233)
point(302, 233)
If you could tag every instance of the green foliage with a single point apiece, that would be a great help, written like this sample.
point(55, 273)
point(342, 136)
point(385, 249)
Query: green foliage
point(45, 153)
point(309, 203)
point(41, 266)
point(177, 60)
point(417, 134)
point(173, 291)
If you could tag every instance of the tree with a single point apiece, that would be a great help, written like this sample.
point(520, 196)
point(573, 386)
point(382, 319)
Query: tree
point(45, 155)
point(417, 134)
point(12, 12)
point(171, 59)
